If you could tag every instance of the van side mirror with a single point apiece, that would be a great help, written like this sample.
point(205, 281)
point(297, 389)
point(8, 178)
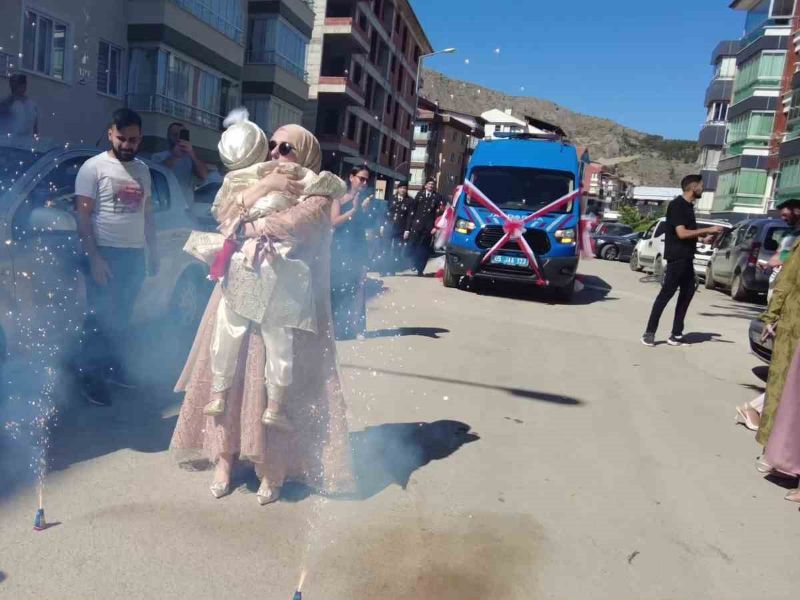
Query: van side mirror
point(771, 245)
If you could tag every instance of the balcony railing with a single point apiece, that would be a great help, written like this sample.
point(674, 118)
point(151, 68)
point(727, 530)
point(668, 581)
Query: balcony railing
point(204, 12)
point(264, 57)
point(161, 104)
point(6, 64)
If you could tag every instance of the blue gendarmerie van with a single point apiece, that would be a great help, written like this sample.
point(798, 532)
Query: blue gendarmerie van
point(520, 174)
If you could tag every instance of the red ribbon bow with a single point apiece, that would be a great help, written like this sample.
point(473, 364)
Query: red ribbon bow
point(514, 228)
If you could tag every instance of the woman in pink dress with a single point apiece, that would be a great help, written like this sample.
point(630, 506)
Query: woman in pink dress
point(782, 451)
point(316, 451)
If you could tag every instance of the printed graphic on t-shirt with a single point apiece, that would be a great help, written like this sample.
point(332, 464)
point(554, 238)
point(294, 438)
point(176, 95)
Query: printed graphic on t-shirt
point(128, 197)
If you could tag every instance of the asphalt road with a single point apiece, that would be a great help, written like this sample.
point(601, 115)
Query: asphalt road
point(508, 448)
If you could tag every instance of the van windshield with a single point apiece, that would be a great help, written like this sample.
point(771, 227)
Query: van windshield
point(522, 188)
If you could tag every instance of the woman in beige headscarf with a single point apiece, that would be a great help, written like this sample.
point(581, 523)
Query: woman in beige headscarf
point(316, 451)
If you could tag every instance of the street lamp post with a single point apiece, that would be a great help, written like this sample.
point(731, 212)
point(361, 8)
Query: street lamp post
point(416, 93)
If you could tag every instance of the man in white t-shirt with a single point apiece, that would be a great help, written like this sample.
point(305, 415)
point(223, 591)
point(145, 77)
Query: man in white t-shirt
point(182, 160)
point(18, 113)
point(116, 225)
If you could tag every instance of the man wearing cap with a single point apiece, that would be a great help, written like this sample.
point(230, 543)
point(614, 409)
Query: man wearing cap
point(419, 225)
point(18, 113)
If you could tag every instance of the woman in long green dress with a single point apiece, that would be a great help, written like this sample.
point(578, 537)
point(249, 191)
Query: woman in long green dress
point(783, 321)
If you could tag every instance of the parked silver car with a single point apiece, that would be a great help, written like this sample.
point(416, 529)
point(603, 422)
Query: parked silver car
point(37, 210)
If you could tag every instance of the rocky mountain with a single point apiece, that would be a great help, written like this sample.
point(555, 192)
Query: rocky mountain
point(642, 158)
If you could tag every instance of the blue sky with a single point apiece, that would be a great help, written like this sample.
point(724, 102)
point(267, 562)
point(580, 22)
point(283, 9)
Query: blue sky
point(643, 64)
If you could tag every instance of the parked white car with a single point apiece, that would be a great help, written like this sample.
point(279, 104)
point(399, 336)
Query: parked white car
point(37, 209)
point(649, 252)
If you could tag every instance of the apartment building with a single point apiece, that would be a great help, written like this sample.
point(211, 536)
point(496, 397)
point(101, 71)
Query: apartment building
point(717, 102)
point(363, 66)
point(443, 144)
point(746, 173)
point(171, 60)
point(787, 151)
point(275, 82)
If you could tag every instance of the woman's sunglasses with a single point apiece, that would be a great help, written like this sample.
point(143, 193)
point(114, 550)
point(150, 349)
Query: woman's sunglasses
point(284, 148)
point(362, 178)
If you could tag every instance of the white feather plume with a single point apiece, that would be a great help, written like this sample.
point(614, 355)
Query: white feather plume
point(237, 115)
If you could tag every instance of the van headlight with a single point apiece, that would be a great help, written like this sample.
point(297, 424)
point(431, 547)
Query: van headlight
point(464, 226)
point(565, 236)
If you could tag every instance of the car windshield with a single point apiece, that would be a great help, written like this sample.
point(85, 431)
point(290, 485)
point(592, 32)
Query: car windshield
point(522, 188)
point(13, 163)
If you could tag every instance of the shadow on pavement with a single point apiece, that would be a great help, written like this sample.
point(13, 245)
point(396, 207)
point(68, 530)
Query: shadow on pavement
point(756, 388)
point(389, 454)
point(762, 372)
point(520, 392)
point(786, 482)
point(595, 289)
point(701, 338)
point(2, 577)
point(429, 332)
point(736, 311)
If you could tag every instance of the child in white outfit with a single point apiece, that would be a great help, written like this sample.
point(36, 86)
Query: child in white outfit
point(264, 284)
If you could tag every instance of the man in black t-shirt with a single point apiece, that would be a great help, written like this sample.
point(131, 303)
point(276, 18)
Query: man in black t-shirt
point(681, 242)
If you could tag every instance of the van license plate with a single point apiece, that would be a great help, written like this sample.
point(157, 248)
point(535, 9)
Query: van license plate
point(510, 261)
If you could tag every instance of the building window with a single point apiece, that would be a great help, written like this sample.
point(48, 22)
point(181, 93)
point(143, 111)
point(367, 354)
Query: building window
point(160, 81)
point(351, 127)
point(725, 68)
point(273, 41)
point(419, 154)
point(764, 70)
point(226, 16)
point(108, 68)
point(270, 113)
point(710, 158)
point(44, 45)
point(782, 9)
point(717, 112)
point(789, 178)
point(358, 72)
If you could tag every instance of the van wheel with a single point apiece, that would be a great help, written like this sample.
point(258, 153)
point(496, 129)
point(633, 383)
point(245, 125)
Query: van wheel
point(450, 280)
point(565, 294)
point(634, 263)
point(659, 271)
point(738, 291)
point(709, 283)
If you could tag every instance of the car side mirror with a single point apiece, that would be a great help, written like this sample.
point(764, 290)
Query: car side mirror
point(771, 245)
point(52, 220)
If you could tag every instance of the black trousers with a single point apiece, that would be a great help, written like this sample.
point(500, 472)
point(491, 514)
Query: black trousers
point(679, 276)
point(110, 307)
point(419, 252)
